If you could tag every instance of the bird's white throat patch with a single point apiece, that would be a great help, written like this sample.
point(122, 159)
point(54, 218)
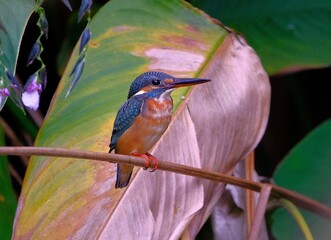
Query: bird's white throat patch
point(165, 95)
point(140, 92)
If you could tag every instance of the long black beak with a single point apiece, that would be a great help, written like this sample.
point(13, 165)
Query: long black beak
point(183, 82)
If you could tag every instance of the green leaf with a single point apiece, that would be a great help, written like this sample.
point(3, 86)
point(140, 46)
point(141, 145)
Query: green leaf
point(286, 34)
point(307, 170)
point(7, 196)
point(14, 16)
point(76, 198)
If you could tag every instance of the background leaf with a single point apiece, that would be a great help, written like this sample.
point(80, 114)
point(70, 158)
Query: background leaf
point(14, 16)
point(306, 170)
point(163, 35)
point(286, 34)
point(7, 196)
point(13, 19)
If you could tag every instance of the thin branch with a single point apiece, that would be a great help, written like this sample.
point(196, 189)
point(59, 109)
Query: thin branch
point(277, 192)
point(250, 199)
point(13, 138)
point(36, 116)
point(15, 175)
point(259, 213)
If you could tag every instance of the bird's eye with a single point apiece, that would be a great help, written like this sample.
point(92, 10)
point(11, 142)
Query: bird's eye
point(156, 82)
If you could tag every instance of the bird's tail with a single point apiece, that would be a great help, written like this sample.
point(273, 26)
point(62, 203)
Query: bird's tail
point(124, 172)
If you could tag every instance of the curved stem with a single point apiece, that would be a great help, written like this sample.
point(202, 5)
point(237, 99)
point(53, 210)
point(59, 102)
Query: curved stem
point(250, 199)
point(294, 211)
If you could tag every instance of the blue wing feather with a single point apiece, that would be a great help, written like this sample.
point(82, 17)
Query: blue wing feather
point(125, 118)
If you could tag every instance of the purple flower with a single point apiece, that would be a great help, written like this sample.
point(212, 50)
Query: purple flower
point(14, 83)
point(33, 87)
point(84, 7)
point(31, 94)
point(44, 25)
point(76, 72)
point(43, 77)
point(67, 4)
point(4, 92)
point(85, 39)
point(35, 51)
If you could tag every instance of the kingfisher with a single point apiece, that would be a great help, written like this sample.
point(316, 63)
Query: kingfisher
point(143, 118)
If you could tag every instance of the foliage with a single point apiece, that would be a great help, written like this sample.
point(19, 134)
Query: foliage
point(287, 35)
point(306, 167)
point(7, 196)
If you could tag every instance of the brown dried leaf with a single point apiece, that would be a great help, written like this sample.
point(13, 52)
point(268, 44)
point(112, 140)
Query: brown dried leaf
point(229, 215)
point(219, 125)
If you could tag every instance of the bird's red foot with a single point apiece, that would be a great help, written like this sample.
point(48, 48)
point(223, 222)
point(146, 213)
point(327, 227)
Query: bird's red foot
point(149, 158)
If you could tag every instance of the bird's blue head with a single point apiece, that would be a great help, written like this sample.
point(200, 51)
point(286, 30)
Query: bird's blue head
point(149, 81)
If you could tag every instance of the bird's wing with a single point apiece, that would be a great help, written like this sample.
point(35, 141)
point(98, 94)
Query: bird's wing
point(125, 118)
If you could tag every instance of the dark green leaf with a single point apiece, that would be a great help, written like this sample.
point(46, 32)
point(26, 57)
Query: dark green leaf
point(307, 170)
point(286, 34)
point(13, 18)
point(7, 197)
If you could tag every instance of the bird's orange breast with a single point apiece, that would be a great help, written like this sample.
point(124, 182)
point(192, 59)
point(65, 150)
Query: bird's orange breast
point(147, 128)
